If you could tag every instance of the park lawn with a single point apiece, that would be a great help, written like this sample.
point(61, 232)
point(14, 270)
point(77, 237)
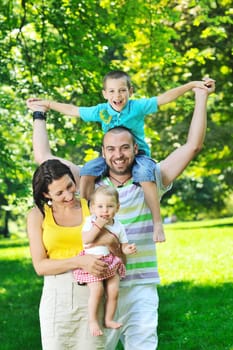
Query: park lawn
point(196, 291)
point(20, 290)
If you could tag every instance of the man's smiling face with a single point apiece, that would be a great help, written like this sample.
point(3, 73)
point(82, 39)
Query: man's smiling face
point(119, 151)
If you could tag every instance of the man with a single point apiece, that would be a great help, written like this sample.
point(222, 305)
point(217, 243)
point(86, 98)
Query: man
point(138, 300)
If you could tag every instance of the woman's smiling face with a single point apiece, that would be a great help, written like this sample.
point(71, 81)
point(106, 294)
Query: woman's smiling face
point(62, 191)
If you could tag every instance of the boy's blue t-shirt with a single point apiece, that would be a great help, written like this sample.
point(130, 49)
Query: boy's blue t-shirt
point(131, 117)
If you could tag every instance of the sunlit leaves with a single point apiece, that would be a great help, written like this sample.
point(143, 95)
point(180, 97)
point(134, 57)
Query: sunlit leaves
point(61, 49)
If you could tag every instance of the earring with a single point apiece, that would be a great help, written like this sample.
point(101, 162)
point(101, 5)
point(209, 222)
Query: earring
point(49, 203)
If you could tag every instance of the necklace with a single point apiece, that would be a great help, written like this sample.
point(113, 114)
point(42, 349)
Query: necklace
point(121, 184)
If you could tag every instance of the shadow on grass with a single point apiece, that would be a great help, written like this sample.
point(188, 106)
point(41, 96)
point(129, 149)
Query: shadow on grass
point(19, 299)
point(194, 317)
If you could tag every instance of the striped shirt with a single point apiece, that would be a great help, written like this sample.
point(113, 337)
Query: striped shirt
point(134, 214)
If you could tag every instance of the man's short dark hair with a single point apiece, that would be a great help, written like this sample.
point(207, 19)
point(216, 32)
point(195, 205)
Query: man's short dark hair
point(118, 130)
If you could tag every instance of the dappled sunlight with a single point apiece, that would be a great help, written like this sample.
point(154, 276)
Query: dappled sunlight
point(201, 255)
point(16, 253)
point(3, 290)
point(12, 249)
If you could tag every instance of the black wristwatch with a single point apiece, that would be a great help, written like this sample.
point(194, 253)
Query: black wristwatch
point(39, 115)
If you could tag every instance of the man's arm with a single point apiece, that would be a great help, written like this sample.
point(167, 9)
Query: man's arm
point(64, 108)
point(173, 94)
point(172, 166)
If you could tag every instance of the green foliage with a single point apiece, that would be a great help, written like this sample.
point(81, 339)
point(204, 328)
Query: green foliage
point(62, 49)
point(191, 197)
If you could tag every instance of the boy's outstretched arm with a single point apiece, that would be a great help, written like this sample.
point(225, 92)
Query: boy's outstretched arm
point(178, 160)
point(173, 94)
point(64, 108)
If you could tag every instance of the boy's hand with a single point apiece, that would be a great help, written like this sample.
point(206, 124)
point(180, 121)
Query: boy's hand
point(204, 84)
point(209, 86)
point(37, 104)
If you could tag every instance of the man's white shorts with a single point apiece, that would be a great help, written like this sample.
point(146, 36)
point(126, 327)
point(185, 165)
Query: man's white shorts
point(138, 312)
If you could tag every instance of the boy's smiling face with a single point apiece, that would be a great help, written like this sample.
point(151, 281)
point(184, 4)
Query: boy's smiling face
point(117, 93)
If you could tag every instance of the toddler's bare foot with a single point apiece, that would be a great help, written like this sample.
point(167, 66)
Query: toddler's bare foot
point(112, 324)
point(95, 329)
point(158, 235)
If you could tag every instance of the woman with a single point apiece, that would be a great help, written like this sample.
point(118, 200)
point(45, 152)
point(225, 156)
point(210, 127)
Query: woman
point(54, 230)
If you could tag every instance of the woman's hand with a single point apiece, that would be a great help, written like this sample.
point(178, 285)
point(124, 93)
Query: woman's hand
point(93, 264)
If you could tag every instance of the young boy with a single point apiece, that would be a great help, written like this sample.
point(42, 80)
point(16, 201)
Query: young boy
point(120, 110)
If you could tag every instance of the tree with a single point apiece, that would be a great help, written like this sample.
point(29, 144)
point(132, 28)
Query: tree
point(62, 49)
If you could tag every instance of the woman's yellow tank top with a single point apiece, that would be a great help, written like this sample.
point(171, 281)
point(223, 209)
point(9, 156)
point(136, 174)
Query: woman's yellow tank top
point(62, 242)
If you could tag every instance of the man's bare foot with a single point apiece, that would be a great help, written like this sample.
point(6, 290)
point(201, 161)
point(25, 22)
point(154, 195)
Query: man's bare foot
point(158, 235)
point(95, 329)
point(112, 324)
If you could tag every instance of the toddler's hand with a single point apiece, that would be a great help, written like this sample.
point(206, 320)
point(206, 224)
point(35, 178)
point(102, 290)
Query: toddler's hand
point(130, 249)
point(101, 222)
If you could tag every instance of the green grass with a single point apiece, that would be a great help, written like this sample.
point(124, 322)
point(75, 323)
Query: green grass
point(20, 290)
point(196, 291)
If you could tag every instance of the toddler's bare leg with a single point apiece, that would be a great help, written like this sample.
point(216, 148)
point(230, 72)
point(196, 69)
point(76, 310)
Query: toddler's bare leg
point(152, 199)
point(112, 290)
point(96, 293)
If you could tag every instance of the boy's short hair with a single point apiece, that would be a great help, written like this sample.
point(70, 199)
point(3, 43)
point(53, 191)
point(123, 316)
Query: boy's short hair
point(117, 74)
